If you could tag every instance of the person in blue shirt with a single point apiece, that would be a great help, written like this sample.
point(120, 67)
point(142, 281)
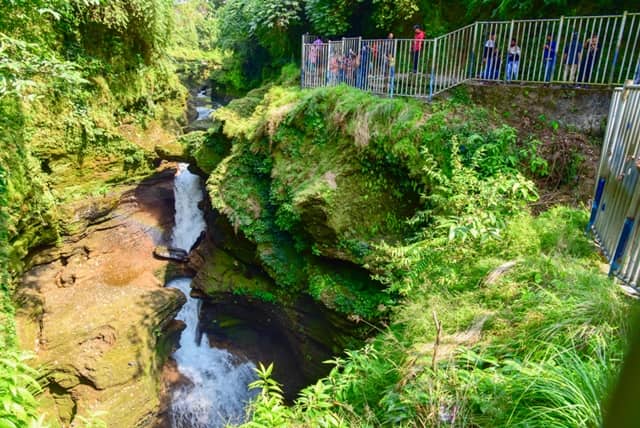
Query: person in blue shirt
point(549, 57)
point(636, 79)
point(571, 58)
point(363, 69)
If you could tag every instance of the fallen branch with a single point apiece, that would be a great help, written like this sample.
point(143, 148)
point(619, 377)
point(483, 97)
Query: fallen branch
point(437, 343)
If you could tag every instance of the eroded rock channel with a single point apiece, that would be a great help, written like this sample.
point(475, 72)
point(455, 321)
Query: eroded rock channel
point(226, 335)
point(124, 329)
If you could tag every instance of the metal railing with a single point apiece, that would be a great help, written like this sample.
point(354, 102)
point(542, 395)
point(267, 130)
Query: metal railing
point(579, 50)
point(614, 213)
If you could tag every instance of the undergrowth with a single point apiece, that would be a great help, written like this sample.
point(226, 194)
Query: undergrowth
point(537, 347)
point(332, 174)
point(433, 202)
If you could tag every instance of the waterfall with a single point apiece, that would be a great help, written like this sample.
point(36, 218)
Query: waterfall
point(216, 392)
point(189, 221)
point(203, 112)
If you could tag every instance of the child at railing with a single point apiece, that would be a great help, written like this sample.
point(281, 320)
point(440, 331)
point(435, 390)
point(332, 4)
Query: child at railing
point(390, 59)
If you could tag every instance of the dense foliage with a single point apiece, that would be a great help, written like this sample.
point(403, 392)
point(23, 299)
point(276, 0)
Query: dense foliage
point(76, 79)
point(496, 317)
point(384, 210)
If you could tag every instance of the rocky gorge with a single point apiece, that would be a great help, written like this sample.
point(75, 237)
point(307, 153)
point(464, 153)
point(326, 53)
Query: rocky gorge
point(95, 312)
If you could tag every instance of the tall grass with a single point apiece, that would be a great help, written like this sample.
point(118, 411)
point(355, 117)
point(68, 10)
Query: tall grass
point(564, 389)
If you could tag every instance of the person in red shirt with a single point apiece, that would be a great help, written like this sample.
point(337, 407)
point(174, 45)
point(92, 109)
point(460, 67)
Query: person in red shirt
point(418, 41)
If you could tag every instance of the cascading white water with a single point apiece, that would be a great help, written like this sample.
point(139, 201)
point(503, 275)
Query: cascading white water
point(189, 219)
point(217, 392)
point(203, 112)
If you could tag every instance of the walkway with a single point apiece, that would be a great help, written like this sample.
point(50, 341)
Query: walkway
point(593, 50)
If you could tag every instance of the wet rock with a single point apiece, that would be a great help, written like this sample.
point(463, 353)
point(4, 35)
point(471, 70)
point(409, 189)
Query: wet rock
point(172, 151)
point(96, 316)
point(170, 253)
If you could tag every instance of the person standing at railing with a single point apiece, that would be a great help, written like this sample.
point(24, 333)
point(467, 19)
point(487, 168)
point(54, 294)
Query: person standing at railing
point(513, 61)
point(375, 58)
point(390, 60)
point(351, 64)
point(334, 68)
point(313, 57)
point(363, 69)
point(549, 57)
point(590, 55)
point(418, 40)
point(314, 52)
point(488, 56)
point(636, 79)
point(571, 58)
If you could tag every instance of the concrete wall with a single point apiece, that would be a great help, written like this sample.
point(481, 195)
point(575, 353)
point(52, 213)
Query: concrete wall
point(582, 110)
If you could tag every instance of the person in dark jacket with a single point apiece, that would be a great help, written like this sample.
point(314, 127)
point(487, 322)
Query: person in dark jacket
point(590, 55)
point(571, 58)
point(363, 69)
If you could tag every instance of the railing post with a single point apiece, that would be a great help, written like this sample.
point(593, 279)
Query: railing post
point(302, 63)
point(555, 58)
point(433, 67)
point(473, 50)
point(596, 203)
point(618, 43)
point(627, 228)
point(392, 70)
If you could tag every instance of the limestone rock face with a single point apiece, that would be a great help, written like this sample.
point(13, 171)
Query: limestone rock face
point(94, 311)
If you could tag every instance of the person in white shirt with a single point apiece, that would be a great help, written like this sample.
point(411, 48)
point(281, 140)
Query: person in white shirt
point(513, 61)
point(488, 57)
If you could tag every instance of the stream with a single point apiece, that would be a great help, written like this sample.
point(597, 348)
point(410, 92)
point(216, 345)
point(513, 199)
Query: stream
point(204, 106)
point(226, 335)
point(216, 389)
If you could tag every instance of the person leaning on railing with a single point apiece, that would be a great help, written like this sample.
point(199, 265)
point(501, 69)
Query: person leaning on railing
point(363, 69)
